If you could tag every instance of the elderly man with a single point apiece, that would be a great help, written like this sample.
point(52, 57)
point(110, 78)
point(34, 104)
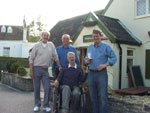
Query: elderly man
point(69, 78)
point(62, 53)
point(99, 56)
point(40, 57)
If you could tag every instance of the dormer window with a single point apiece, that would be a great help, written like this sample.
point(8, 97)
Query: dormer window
point(9, 29)
point(3, 29)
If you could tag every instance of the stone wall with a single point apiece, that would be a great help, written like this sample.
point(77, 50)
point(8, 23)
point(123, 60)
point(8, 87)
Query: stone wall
point(128, 104)
point(16, 81)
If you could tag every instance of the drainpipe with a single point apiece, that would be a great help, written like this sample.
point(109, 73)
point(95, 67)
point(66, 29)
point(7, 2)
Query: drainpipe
point(120, 64)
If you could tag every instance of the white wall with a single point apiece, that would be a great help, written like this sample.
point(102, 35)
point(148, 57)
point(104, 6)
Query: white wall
point(124, 10)
point(17, 48)
point(25, 48)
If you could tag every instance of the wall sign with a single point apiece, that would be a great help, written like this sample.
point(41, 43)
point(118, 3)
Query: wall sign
point(87, 38)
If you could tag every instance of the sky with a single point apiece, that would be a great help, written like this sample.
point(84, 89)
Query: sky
point(51, 11)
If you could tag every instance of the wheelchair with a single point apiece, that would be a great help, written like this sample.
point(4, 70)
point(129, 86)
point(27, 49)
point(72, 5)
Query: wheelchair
point(56, 100)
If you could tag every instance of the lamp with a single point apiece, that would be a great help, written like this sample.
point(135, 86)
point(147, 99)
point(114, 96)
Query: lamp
point(149, 33)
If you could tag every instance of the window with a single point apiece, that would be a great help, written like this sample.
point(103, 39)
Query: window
point(9, 30)
point(3, 29)
point(6, 51)
point(149, 6)
point(130, 56)
point(147, 64)
point(142, 7)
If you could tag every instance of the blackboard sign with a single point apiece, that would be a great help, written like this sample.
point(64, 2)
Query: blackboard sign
point(137, 76)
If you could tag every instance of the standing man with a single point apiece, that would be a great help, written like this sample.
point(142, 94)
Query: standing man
point(40, 57)
point(99, 56)
point(62, 53)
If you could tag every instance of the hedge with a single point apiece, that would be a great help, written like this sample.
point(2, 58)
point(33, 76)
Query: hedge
point(4, 60)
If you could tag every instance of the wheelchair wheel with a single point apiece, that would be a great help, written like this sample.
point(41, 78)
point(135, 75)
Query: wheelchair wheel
point(55, 101)
point(82, 102)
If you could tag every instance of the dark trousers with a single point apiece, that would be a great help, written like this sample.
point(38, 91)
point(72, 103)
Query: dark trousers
point(41, 74)
point(68, 93)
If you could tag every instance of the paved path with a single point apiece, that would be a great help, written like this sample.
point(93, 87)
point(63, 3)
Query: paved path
point(16, 101)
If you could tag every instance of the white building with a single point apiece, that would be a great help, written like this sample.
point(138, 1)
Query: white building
point(121, 39)
point(135, 14)
point(14, 41)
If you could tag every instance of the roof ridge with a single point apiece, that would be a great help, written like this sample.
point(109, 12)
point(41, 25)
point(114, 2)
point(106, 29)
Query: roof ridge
point(108, 17)
point(11, 25)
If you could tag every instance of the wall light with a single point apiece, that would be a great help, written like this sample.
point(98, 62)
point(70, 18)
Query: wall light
point(149, 33)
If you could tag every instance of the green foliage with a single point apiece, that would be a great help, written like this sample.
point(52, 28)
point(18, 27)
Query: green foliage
point(36, 27)
point(21, 71)
point(5, 62)
point(8, 65)
point(34, 38)
point(14, 66)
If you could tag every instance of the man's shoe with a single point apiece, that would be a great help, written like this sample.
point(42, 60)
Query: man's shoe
point(36, 109)
point(47, 109)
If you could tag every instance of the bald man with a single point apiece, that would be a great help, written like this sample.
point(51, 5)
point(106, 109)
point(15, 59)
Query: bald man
point(62, 53)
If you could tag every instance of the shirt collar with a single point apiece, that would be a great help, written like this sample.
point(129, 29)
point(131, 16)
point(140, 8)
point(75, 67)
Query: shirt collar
point(98, 44)
point(75, 66)
point(67, 47)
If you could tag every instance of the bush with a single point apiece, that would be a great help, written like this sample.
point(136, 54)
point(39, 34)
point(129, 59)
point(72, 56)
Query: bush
point(14, 66)
point(8, 65)
point(21, 71)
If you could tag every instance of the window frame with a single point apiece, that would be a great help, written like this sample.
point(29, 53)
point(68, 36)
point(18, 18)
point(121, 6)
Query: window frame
point(147, 14)
point(3, 29)
point(9, 29)
point(4, 49)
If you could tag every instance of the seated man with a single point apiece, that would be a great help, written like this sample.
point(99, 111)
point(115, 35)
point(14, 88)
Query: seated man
point(68, 79)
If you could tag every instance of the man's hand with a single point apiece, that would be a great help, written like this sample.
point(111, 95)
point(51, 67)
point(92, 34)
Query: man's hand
point(102, 66)
point(54, 75)
point(31, 73)
point(56, 83)
point(89, 60)
point(59, 68)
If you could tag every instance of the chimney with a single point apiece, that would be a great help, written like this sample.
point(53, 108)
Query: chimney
point(24, 30)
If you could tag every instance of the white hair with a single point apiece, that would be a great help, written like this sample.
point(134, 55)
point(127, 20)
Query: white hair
point(65, 35)
point(49, 34)
point(70, 53)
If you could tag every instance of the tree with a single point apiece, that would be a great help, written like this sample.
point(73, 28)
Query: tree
point(35, 29)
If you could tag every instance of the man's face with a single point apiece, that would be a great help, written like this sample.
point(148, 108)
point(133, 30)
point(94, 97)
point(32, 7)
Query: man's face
point(96, 38)
point(45, 37)
point(65, 40)
point(71, 59)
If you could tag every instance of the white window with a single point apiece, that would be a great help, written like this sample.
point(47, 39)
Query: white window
point(149, 6)
point(3, 29)
point(142, 7)
point(9, 30)
point(130, 57)
point(6, 51)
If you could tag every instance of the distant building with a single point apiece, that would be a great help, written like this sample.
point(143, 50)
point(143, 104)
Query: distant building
point(14, 41)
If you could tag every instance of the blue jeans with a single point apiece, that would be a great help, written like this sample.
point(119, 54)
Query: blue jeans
point(98, 83)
